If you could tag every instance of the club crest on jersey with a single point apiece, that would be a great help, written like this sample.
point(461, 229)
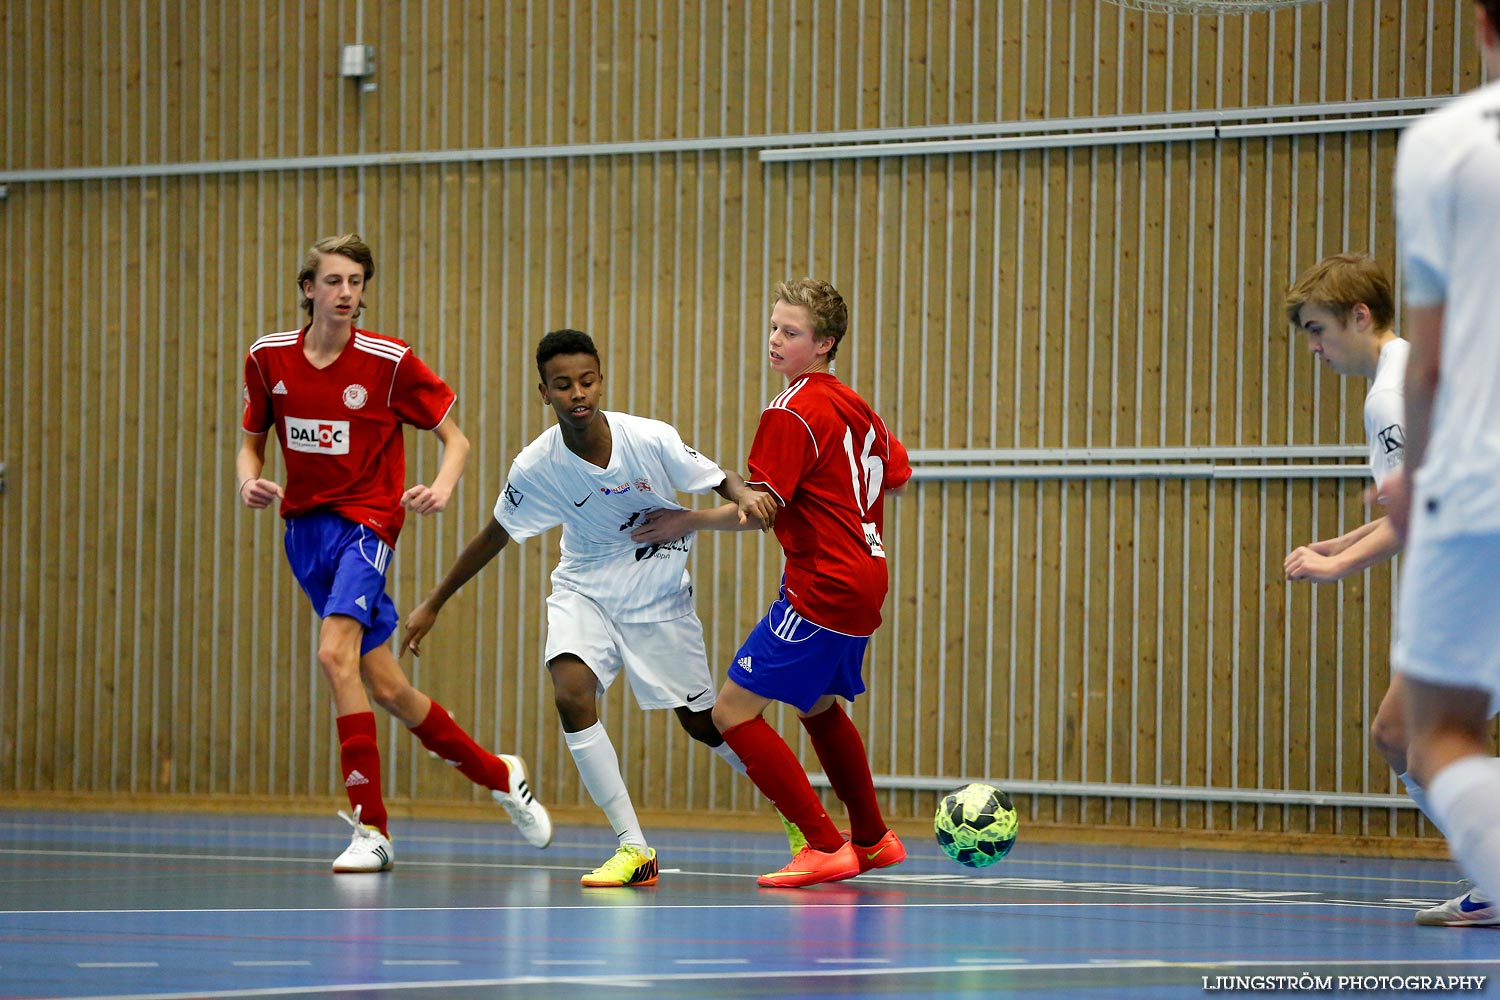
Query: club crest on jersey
point(512, 497)
point(324, 437)
point(355, 396)
point(644, 485)
point(612, 490)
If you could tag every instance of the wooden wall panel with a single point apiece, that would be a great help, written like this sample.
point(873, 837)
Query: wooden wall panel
point(1127, 632)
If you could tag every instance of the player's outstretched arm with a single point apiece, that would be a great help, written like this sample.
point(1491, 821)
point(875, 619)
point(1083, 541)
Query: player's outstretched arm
point(254, 491)
point(664, 525)
point(483, 547)
point(431, 499)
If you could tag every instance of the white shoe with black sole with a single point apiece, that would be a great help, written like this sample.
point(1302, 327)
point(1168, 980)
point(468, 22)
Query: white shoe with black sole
point(369, 850)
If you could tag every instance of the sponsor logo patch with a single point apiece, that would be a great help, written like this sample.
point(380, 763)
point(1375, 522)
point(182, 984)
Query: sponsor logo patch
point(327, 437)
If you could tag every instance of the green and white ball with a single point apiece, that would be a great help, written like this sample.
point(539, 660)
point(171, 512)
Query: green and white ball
point(976, 825)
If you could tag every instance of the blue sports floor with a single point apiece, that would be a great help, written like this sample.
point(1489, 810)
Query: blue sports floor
point(150, 905)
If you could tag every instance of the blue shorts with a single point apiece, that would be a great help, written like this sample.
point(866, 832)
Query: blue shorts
point(787, 658)
point(341, 567)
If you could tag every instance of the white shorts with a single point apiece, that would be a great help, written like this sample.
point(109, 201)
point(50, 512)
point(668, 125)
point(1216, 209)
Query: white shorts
point(1448, 624)
point(666, 662)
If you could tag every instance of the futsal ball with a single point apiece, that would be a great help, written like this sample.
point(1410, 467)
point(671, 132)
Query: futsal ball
point(976, 825)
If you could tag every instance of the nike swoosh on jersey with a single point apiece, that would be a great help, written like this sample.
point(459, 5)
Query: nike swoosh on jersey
point(580, 503)
point(700, 694)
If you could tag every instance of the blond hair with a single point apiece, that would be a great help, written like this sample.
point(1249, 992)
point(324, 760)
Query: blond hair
point(1338, 284)
point(830, 316)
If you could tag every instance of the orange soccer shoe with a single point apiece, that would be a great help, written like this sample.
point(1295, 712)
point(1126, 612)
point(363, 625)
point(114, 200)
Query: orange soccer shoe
point(885, 852)
point(810, 867)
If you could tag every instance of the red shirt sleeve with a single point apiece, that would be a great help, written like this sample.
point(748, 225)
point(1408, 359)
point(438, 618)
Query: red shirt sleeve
point(782, 452)
point(898, 465)
point(258, 416)
point(419, 397)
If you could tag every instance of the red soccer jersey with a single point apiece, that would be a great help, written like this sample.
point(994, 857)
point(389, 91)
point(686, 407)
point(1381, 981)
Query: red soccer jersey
point(340, 426)
point(828, 457)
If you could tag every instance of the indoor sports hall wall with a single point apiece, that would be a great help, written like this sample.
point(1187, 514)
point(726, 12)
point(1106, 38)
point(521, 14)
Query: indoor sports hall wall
point(1066, 303)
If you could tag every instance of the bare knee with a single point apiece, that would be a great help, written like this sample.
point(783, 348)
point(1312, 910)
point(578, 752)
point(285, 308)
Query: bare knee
point(391, 694)
point(575, 693)
point(700, 726)
point(340, 665)
point(721, 719)
point(1389, 737)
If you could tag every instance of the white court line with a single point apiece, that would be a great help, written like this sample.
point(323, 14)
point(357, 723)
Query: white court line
point(568, 961)
point(1139, 902)
point(710, 961)
point(917, 970)
point(1314, 876)
point(420, 961)
point(852, 961)
point(116, 965)
point(270, 963)
point(1011, 863)
point(1157, 896)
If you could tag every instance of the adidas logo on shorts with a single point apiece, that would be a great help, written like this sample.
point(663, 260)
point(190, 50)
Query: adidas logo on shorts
point(360, 600)
point(744, 663)
point(355, 778)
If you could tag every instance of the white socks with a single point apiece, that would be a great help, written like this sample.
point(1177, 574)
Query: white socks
point(1418, 794)
point(599, 767)
point(1465, 801)
point(730, 757)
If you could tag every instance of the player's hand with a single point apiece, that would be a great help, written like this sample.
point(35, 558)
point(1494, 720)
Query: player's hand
point(1396, 494)
point(761, 506)
point(424, 500)
point(1305, 564)
point(663, 525)
point(418, 624)
point(259, 493)
point(1327, 547)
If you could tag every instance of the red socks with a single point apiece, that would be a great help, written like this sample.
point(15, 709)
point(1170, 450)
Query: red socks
point(776, 771)
point(842, 754)
point(444, 737)
point(360, 757)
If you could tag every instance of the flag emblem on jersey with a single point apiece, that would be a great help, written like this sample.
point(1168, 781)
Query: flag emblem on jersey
point(355, 778)
point(360, 600)
point(744, 664)
point(280, 389)
point(355, 396)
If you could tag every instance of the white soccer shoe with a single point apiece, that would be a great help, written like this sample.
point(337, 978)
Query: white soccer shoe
point(369, 850)
point(529, 815)
point(1472, 909)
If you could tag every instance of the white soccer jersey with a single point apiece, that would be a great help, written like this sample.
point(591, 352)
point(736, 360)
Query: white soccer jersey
point(1385, 412)
point(1448, 222)
point(598, 508)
